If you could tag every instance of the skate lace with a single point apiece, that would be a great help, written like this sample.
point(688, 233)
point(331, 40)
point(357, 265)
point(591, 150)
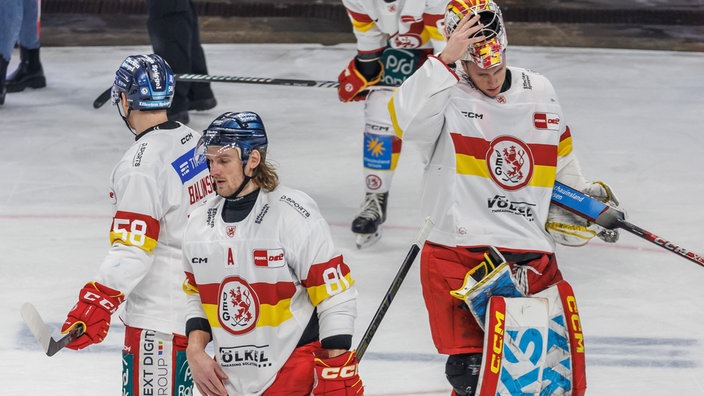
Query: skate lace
point(371, 208)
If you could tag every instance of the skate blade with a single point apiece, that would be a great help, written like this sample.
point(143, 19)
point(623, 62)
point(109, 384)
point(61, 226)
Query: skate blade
point(366, 240)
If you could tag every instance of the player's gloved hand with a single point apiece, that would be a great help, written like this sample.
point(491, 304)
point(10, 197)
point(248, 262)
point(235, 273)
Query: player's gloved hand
point(568, 229)
point(353, 81)
point(337, 376)
point(96, 304)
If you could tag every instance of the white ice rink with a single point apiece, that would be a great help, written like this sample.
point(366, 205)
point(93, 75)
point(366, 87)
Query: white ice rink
point(636, 119)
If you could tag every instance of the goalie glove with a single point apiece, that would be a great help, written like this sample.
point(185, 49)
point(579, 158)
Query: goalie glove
point(569, 229)
point(96, 304)
point(357, 76)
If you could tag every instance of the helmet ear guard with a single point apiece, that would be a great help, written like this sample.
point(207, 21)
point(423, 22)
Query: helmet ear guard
point(490, 52)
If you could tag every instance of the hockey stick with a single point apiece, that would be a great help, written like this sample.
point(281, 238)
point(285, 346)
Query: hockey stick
point(105, 96)
point(608, 217)
point(40, 330)
point(395, 285)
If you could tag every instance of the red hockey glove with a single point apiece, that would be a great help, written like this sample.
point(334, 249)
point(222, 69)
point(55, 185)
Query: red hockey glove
point(96, 304)
point(352, 82)
point(337, 376)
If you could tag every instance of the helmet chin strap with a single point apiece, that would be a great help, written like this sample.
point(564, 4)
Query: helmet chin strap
point(125, 117)
point(246, 180)
point(234, 196)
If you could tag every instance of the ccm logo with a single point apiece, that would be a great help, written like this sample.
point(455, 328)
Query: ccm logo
point(94, 297)
point(333, 373)
point(497, 344)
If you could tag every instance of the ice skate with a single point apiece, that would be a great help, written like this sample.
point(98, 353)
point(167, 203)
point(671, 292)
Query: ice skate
point(367, 224)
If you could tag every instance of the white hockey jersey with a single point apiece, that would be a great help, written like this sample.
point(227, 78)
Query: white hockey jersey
point(402, 24)
point(154, 187)
point(258, 281)
point(490, 163)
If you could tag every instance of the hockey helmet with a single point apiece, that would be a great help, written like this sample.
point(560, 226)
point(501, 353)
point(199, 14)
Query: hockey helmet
point(147, 81)
point(490, 52)
point(243, 131)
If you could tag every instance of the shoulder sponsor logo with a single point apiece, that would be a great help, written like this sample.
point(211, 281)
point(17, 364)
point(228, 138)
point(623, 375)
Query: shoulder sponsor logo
point(510, 162)
point(295, 205)
point(238, 308)
point(210, 219)
point(269, 258)
point(186, 166)
point(261, 214)
point(546, 121)
point(137, 161)
point(526, 81)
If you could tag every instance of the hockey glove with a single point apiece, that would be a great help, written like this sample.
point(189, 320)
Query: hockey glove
point(353, 80)
point(569, 229)
point(337, 376)
point(96, 304)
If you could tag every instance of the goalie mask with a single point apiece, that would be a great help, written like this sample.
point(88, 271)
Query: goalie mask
point(490, 52)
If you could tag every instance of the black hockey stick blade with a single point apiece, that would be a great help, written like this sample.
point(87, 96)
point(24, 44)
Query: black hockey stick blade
point(102, 98)
point(393, 289)
point(608, 217)
point(40, 330)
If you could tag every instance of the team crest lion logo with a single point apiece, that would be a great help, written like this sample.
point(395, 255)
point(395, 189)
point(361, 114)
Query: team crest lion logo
point(510, 162)
point(238, 308)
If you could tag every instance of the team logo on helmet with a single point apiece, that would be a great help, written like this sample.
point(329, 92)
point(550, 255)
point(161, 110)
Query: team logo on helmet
point(510, 162)
point(238, 308)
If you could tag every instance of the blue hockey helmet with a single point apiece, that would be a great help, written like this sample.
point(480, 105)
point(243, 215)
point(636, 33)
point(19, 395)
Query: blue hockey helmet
point(243, 131)
point(147, 81)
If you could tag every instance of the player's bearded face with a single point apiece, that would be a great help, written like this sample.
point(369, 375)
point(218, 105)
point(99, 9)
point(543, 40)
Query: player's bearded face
point(225, 169)
point(489, 81)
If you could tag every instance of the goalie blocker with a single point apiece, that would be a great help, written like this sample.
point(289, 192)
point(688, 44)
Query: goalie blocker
point(533, 345)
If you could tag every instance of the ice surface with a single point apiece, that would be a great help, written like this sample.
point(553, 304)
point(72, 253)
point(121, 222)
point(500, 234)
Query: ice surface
point(636, 118)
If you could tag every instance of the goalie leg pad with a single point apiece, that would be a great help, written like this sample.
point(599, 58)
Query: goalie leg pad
point(534, 345)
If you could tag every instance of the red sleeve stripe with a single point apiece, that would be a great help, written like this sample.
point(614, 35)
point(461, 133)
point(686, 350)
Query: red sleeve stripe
point(316, 272)
point(135, 229)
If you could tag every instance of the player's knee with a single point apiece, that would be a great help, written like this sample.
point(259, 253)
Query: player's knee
point(462, 371)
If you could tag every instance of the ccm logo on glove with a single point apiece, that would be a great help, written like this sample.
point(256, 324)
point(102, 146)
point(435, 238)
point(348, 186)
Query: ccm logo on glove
point(97, 299)
point(333, 373)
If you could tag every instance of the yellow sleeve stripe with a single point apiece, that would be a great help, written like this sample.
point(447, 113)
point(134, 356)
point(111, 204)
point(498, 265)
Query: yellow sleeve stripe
point(319, 293)
point(148, 245)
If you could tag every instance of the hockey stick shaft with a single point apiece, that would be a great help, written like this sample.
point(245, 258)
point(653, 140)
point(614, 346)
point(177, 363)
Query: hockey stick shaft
point(105, 96)
point(393, 289)
point(604, 215)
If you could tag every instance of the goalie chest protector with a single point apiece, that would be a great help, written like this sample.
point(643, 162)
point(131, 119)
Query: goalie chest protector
point(534, 346)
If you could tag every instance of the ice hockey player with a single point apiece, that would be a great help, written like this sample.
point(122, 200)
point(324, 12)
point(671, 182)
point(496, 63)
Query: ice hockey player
point(394, 37)
point(265, 282)
point(494, 140)
point(154, 187)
